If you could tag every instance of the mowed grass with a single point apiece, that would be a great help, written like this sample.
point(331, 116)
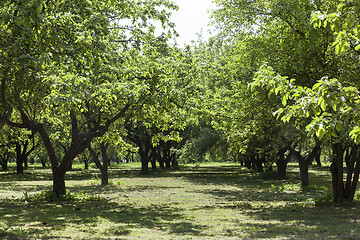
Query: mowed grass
point(209, 201)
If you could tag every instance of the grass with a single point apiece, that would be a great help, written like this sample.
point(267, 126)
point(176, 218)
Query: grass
point(207, 201)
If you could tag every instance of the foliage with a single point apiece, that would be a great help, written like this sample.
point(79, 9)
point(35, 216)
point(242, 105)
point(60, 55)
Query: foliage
point(344, 22)
point(328, 108)
point(290, 186)
point(324, 201)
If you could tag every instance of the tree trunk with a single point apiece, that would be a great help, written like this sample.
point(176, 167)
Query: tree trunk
point(21, 155)
point(59, 182)
point(19, 165)
point(350, 158)
point(153, 157)
point(4, 160)
point(174, 160)
point(4, 165)
point(336, 169)
point(281, 164)
point(104, 177)
point(259, 164)
point(104, 169)
point(144, 165)
point(347, 152)
point(166, 156)
point(19, 158)
point(86, 163)
point(248, 162)
point(355, 180)
point(253, 162)
point(160, 159)
point(304, 173)
point(318, 159)
point(153, 165)
point(144, 155)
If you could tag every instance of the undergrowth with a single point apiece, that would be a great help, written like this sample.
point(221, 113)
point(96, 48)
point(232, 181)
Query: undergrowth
point(289, 186)
point(50, 196)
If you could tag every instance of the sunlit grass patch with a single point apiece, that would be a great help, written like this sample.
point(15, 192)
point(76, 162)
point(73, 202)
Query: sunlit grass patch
point(206, 202)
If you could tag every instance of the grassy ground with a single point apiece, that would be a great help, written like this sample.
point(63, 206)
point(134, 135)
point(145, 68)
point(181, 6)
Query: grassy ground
point(210, 201)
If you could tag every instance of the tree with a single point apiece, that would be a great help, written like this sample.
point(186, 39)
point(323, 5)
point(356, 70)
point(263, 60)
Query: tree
point(104, 166)
point(70, 58)
point(332, 115)
point(281, 33)
point(283, 36)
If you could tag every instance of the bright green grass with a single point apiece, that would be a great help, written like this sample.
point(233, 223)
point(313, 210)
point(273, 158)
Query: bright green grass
point(209, 201)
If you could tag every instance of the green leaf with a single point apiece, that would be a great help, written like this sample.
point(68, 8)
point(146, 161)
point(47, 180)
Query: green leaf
point(322, 104)
point(337, 48)
point(357, 118)
point(284, 100)
point(338, 126)
point(332, 16)
point(357, 48)
point(277, 90)
point(355, 131)
point(320, 132)
point(316, 86)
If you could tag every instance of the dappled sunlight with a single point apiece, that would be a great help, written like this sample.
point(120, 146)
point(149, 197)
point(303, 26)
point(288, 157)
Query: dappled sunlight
point(205, 202)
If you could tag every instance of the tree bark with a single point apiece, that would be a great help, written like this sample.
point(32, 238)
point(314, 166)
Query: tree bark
point(318, 159)
point(259, 164)
point(144, 165)
point(304, 173)
point(351, 156)
point(153, 156)
point(160, 159)
point(355, 180)
point(59, 182)
point(336, 169)
point(104, 170)
point(4, 160)
point(281, 163)
point(19, 159)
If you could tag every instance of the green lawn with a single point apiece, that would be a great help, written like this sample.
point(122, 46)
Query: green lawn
point(210, 201)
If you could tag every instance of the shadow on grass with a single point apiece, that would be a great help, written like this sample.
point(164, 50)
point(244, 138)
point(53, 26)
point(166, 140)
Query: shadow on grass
point(302, 222)
point(231, 188)
point(44, 217)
